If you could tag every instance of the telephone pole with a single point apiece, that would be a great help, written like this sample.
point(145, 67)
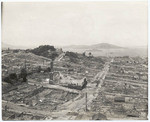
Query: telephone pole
point(51, 65)
point(86, 101)
point(51, 70)
point(25, 64)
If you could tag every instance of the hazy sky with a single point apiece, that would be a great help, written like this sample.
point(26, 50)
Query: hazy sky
point(75, 23)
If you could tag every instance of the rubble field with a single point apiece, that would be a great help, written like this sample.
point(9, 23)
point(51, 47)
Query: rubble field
point(124, 93)
point(117, 87)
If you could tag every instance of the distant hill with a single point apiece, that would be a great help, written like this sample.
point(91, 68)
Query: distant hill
point(96, 46)
point(6, 46)
point(105, 49)
point(105, 46)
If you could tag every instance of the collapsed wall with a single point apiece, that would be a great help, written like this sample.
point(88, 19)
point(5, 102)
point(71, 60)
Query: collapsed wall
point(59, 79)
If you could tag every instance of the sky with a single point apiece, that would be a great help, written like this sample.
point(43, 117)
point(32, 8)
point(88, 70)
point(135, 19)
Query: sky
point(75, 23)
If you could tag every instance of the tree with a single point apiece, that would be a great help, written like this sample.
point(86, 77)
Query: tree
point(90, 54)
point(23, 74)
point(39, 69)
point(54, 55)
point(83, 54)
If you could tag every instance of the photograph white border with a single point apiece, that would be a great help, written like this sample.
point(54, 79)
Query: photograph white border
point(84, 1)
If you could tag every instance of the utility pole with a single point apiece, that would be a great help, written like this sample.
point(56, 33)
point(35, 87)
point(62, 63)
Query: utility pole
point(51, 65)
point(24, 72)
point(25, 64)
point(51, 70)
point(125, 88)
point(86, 101)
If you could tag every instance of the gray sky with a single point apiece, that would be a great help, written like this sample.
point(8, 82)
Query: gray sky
point(75, 23)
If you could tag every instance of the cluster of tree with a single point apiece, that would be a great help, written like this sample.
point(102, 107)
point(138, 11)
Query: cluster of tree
point(23, 74)
point(44, 50)
point(72, 56)
point(14, 78)
point(15, 51)
point(88, 55)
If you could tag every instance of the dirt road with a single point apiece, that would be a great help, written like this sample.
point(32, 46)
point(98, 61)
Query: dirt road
point(79, 104)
